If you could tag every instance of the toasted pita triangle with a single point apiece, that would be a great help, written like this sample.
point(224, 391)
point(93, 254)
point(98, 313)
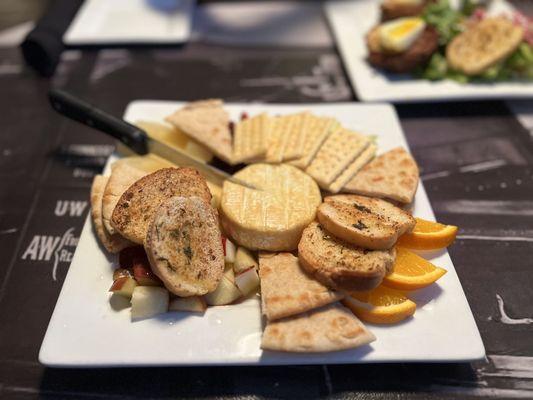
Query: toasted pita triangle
point(207, 122)
point(329, 328)
point(287, 290)
point(393, 175)
point(113, 243)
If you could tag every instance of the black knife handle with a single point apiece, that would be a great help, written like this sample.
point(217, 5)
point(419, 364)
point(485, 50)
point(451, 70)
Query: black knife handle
point(74, 108)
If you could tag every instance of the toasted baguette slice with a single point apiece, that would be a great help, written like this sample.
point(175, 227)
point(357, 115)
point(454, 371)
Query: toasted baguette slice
point(329, 328)
point(184, 247)
point(339, 264)
point(366, 222)
point(139, 203)
point(288, 290)
point(112, 242)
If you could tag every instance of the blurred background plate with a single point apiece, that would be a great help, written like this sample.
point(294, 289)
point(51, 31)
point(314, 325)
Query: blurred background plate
point(131, 22)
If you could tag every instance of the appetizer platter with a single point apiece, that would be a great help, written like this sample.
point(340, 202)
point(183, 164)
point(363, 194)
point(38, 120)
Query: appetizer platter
point(418, 50)
point(321, 248)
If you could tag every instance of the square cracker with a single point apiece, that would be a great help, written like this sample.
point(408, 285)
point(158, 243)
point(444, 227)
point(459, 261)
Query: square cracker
point(329, 328)
point(294, 145)
point(339, 150)
point(249, 138)
point(277, 138)
point(364, 158)
point(316, 130)
point(287, 290)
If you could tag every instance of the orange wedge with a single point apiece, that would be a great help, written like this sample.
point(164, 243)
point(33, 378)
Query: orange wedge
point(428, 235)
point(410, 271)
point(381, 305)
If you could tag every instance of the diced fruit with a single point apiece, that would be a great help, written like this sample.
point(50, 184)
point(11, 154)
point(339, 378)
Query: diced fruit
point(126, 256)
point(142, 272)
point(428, 235)
point(124, 286)
point(229, 253)
point(410, 271)
point(247, 281)
point(193, 304)
point(226, 291)
point(381, 305)
point(148, 301)
point(244, 260)
point(121, 273)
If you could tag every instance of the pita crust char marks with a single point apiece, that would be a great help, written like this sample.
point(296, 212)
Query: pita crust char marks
point(330, 328)
point(393, 175)
point(286, 289)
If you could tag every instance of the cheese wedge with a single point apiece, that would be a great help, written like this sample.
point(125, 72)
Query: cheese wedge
point(273, 217)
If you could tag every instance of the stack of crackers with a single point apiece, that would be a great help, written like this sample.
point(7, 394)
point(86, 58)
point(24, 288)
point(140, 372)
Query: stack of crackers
point(333, 155)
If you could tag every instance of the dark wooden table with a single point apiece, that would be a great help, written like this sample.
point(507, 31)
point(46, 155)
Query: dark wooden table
point(477, 166)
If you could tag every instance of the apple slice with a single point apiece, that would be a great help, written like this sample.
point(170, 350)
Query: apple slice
point(226, 291)
point(248, 281)
point(124, 286)
point(148, 301)
point(143, 274)
point(193, 304)
point(244, 260)
point(229, 251)
point(121, 273)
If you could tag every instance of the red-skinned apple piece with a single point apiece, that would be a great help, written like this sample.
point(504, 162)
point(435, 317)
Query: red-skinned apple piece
point(192, 304)
point(124, 286)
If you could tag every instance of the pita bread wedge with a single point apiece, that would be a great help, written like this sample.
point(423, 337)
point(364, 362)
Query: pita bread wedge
point(329, 328)
point(393, 175)
point(123, 175)
point(113, 243)
point(207, 122)
point(287, 290)
point(140, 202)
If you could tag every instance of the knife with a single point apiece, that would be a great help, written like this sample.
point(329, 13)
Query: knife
point(132, 136)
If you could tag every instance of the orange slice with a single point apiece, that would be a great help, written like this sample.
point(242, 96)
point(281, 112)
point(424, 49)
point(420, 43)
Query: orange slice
point(410, 271)
point(381, 305)
point(428, 235)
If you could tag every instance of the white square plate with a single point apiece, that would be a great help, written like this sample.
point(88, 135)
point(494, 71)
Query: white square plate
point(350, 20)
point(85, 330)
point(131, 21)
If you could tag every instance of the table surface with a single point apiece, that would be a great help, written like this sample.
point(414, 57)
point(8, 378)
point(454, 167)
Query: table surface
point(476, 164)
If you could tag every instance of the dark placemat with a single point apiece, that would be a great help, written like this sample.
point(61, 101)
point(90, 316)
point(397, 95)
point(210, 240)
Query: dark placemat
point(476, 166)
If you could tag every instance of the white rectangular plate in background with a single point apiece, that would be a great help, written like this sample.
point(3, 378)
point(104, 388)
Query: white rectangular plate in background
point(350, 20)
point(85, 331)
point(131, 22)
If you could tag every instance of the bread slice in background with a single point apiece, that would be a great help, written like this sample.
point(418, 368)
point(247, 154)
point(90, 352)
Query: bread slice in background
point(184, 246)
point(340, 265)
point(392, 175)
point(329, 328)
point(140, 202)
point(363, 221)
point(485, 44)
point(112, 242)
point(286, 289)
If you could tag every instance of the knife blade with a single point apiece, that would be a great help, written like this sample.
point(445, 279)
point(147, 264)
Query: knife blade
point(132, 136)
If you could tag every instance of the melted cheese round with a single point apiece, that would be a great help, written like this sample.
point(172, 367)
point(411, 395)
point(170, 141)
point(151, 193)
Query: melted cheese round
point(272, 218)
